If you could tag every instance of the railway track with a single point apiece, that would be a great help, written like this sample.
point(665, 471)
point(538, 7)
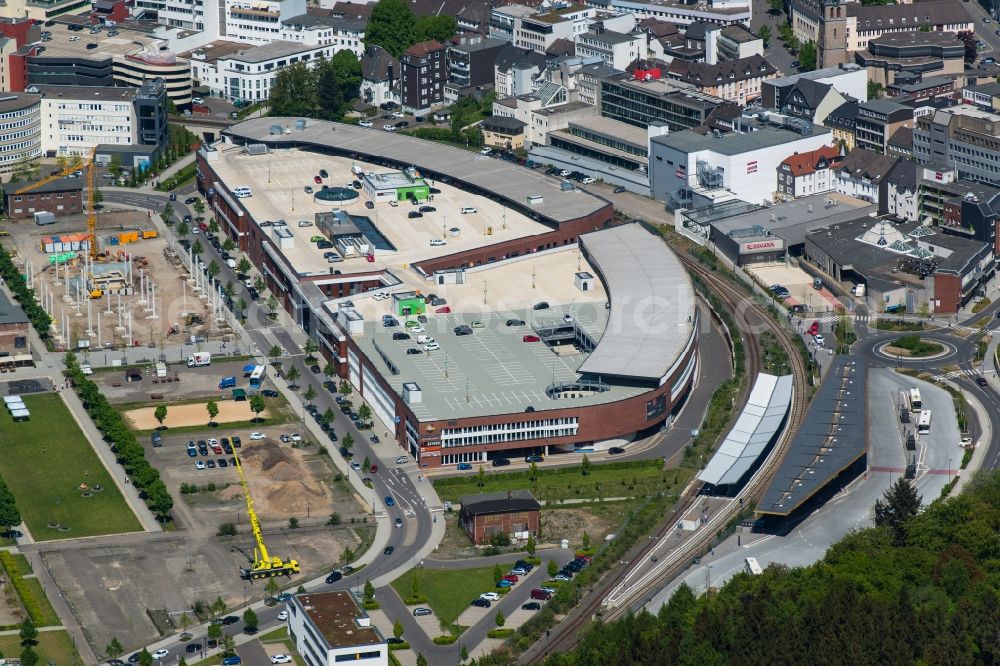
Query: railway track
point(750, 318)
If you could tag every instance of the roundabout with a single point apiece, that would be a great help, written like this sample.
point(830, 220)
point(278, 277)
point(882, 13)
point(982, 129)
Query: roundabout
point(883, 349)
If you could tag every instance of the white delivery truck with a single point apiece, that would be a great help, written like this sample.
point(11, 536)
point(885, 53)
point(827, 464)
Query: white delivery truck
point(199, 359)
point(161, 369)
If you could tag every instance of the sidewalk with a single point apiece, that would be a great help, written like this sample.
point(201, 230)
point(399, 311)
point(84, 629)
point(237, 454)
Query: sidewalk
point(986, 436)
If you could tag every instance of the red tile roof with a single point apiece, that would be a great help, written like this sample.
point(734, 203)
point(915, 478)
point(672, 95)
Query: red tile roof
point(423, 48)
point(805, 163)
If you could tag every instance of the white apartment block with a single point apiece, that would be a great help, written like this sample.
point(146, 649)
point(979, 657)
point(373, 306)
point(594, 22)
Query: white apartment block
point(616, 49)
point(259, 21)
point(539, 31)
point(247, 74)
point(343, 34)
point(720, 12)
point(330, 629)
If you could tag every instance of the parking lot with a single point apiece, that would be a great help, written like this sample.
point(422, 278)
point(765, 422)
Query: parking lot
point(799, 284)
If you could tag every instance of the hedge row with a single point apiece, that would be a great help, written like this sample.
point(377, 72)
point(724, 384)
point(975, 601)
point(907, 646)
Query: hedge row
point(24, 295)
point(128, 451)
point(29, 590)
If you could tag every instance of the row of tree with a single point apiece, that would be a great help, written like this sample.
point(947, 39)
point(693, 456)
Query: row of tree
point(128, 451)
point(914, 589)
point(9, 514)
point(24, 295)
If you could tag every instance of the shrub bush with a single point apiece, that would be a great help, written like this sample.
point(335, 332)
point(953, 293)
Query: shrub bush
point(445, 640)
point(30, 592)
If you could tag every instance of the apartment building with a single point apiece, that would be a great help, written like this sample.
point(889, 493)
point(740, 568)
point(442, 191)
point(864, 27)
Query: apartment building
point(423, 75)
point(615, 49)
point(878, 120)
point(737, 81)
point(964, 138)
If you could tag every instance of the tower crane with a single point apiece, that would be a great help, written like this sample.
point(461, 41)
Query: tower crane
point(88, 163)
point(263, 564)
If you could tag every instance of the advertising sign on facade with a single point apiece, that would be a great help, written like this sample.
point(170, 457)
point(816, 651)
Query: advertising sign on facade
point(758, 246)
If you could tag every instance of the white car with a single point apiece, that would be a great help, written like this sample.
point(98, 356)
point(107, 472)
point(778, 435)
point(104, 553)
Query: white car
point(588, 181)
point(417, 329)
point(356, 466)
point(195, 230)
point(820, 340)
point(402, 460)
point(432, 346)
point(86, 369)
point(256, 436)
point(437, 242)
point(199, 464)
point(197, 100)
point(212, 441)
point(485, 151)
point(281, 659)
point(389, 128)
point(296, 437)
point(283, 615)
point(490, 596)
point(361, 123)
point(74, 38)
point(161, 653)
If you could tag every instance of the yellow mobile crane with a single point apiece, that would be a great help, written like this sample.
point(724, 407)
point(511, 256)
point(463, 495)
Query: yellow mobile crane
point(264, 565)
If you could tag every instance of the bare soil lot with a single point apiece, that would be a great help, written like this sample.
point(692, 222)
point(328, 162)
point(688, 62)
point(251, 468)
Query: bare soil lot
point(179, 416)
point(191, 383)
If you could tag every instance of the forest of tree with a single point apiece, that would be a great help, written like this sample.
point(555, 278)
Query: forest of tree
point(917, 590)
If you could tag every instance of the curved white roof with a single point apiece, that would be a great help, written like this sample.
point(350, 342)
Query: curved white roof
point(652, 303)
point(759, 422)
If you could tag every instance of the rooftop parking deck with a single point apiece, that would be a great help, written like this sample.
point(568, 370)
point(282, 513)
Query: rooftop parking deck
point(506, 180)
point(278, 180)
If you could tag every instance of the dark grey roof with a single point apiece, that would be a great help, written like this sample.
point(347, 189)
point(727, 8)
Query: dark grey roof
point(704, 74)
point(561, 47)
point(696, 30)
point(904, 174)
point(340, 22)
point(499, 502)
point(375, 63)
point(902, 138)
point(609, 37)
point(861, 163)
point(812, 91)
point(11, 313)
point(60, 185)
point(10, 102)
point(844, 115)
point(833, 435)
point(510, 55)
point(934, 12)
point(504, 123)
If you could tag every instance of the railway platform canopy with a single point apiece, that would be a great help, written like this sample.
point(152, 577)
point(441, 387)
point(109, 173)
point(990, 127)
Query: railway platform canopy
point(833, 436)
point(753, 433)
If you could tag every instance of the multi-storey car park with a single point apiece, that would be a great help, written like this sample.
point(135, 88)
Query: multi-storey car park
point(578, 334)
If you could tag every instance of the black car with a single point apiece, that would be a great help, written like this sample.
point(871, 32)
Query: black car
point(315, 369)
point(188, 218)
point(210, 464)
point(427, 209)
point(540, 306)
point(400, 336)
point(230, 619)
point(173, 197)
point(619, 189)
point(369, 205)
point(191, 648)
point(524, 564)
point(413, 351)
point(223, 463)
point(500, 462)
point(134, 659)
point(532, 606)
point(184, 243)
point(463, 330)
point(332, 435)
point(481, 603)
point(533, 459)
point(615, 451)
point(414, 214)
point(323, 173)
point(982, 381)
point(269, 393)
point(324, 245)
point(237, 442)
point(334, 577)
point(392, 640)
point(253, 294)
point(515, 322)
point(190, 200)
point(388, 550)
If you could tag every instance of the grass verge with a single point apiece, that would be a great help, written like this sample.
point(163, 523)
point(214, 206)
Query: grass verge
point(29, 590)
point(641, 477)
point(44, 462)
point(448, 592)
point(54, 647)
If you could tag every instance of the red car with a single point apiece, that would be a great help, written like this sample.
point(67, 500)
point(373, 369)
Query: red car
point(531, 338)
point(203, 226)
point(317, 180)
point(444, 310)
point(814, 329)
point(374, 469)
point(510, 578)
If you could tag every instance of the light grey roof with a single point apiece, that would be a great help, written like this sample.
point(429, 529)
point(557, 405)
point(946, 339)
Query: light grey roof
point(815, 75)
point(510, 181)
point(11, 313)
point(275, 49)
point(652, 303)
point(735, 143)
point(762, 418)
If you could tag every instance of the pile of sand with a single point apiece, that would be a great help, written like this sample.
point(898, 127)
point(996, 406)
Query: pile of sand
point(281, 485)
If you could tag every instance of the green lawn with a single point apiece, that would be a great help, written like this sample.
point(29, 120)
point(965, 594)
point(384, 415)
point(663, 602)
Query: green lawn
point(626, 479)
point(44, 462)
point(449, 591)
point(53, 647)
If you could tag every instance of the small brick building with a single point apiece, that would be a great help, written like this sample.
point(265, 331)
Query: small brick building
point(62, 197)
point(512, 512)
point(13, 334)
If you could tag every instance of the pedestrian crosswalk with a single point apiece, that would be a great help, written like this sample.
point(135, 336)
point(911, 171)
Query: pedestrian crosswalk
point(965, 372)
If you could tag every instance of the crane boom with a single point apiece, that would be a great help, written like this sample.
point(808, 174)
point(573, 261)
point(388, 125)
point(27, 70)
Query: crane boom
point(264, 565)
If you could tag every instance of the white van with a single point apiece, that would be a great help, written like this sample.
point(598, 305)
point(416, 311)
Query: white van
point(424, 339)
point(468, 209)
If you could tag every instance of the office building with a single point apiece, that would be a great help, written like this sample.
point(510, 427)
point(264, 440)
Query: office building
point(849, 80)
point(916, 52)
point(965, 138)
point(648, 100)
point(737, 81)
point(615, 49)
point(471, 62)
point(681, 12)
point(878, 120)
point(329, 629)
point(20, 129)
